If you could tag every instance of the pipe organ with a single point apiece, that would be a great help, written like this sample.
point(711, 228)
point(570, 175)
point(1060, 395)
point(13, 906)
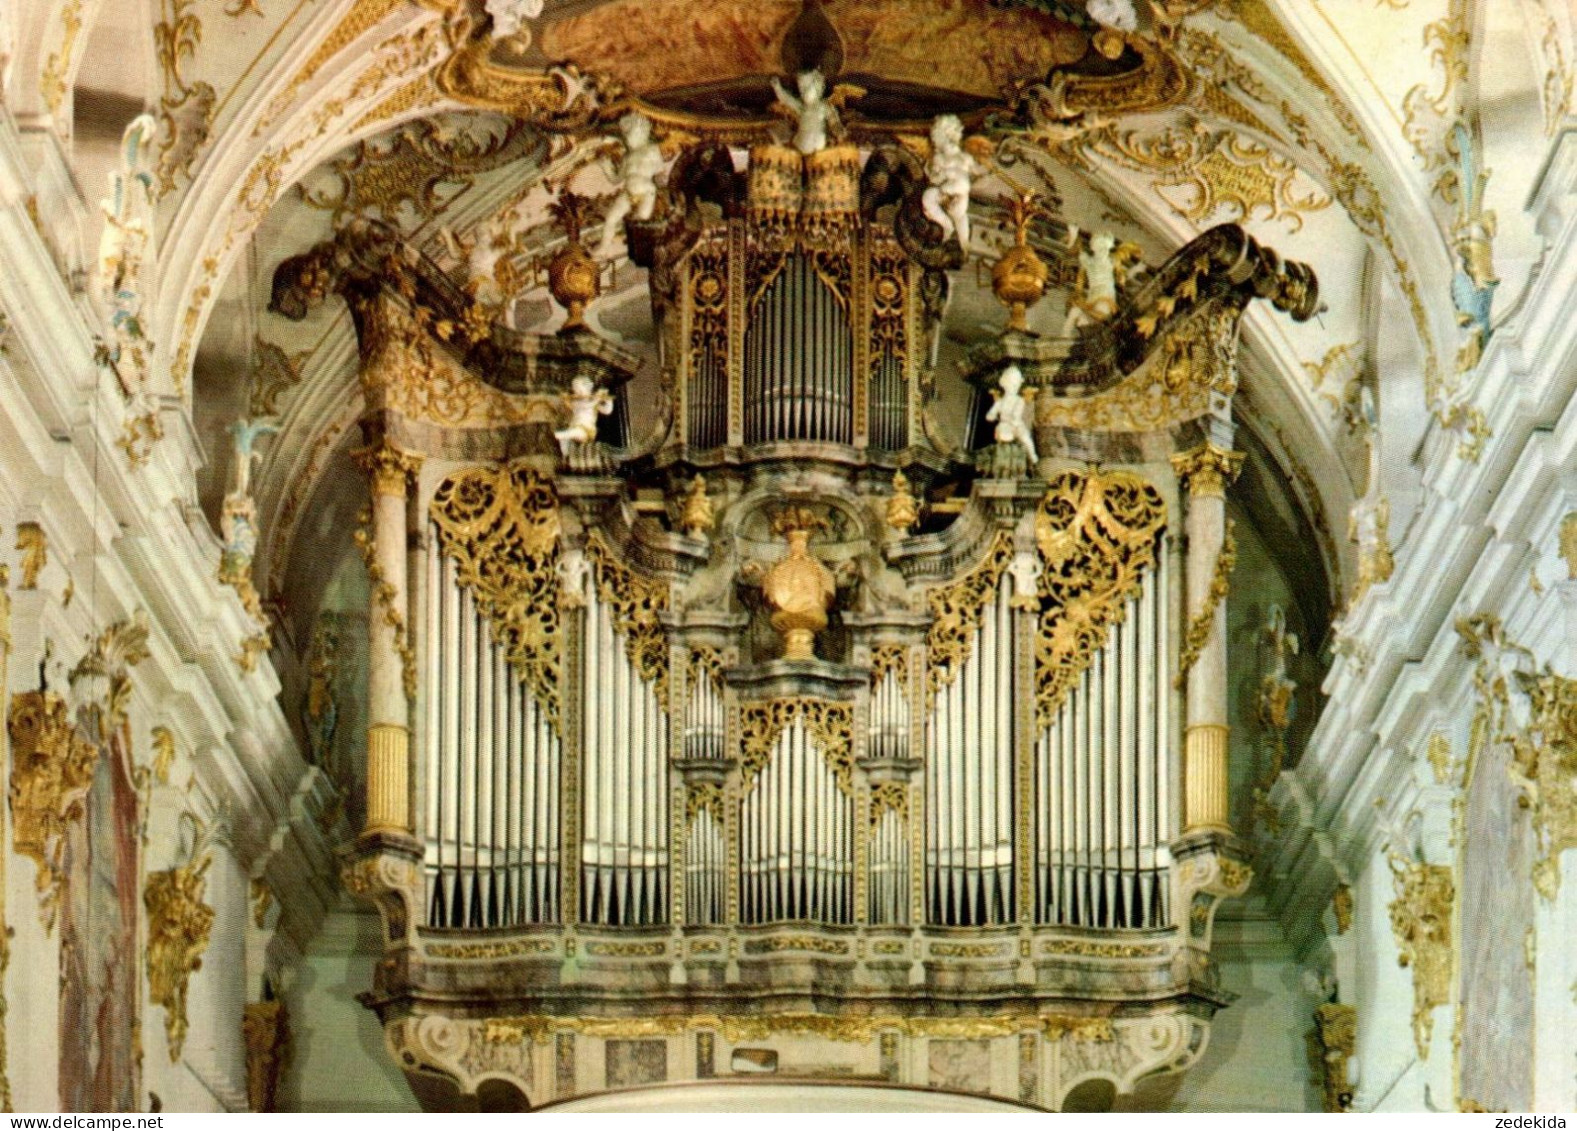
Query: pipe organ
point(720, 735)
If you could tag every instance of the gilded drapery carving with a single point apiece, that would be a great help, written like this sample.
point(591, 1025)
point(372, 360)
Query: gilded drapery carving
point(956, 610)
point(501, 527)
point(1097, 536)
point(638, 604)
point(51, 771)
point(831, 728)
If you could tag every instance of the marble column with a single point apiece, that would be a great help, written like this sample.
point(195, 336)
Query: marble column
point(392, 473)
point(1204, 472)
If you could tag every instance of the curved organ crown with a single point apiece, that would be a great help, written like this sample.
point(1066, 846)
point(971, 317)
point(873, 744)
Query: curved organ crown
point(742, 746)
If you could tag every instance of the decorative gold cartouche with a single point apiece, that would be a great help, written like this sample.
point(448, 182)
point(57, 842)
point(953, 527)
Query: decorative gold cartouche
point(799, 588)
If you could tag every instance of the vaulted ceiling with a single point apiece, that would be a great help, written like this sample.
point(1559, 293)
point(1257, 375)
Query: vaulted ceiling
point(1323, 126)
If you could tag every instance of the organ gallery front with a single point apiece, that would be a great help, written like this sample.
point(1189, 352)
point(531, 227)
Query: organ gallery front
point(796, 717)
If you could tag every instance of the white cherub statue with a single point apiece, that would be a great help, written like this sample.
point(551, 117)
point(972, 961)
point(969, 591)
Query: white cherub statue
point(1095, 294)
point(816, 115)
point(1119, 15)
point(481, 250)
point(1011, 411)
point(951, 171)
point(586, 403)
point(637, 177)
point(508, 15)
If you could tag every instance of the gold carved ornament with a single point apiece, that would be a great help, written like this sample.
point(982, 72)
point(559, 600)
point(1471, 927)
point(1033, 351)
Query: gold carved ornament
point(830, 725)
point(1198, 631)
point(1421, 921)
point(501, 528)
point(266, 1031)
point(889, 797)
point(637, 604)
point(34, 545)
point(179, 924)
point(51, 772)
point(1097, 534)
point(1545, 765)
point(892, 658)
point(956, 610)
point(706, 796)
point(384, 596)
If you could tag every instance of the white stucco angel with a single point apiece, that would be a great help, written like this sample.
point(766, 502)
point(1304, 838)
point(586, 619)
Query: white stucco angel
point(482, 250)
point(508, 15)
point(815, 113)
point(1025, 569)
point(1012, 413)
point(574, 571)
point(951, 171)
point(586, 403)
point(637, 177)
point(127, 213)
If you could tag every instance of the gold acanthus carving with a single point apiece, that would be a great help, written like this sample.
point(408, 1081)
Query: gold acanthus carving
point(830, 726)
point(1080, 949)
point(1335, 1039)
point(1097, 534)
point(179, 923)
point(1342, 908)
point(5, 927)
point(386, 601)
point(887, 658)
point(500, 525)
point(637, 604)
point(1421, 921)
point(539, 1029)
point(1568, 542)
point(1198, 632)
point(163, 742)
point(956, 610)
point(51, 772)
point(1207, 470)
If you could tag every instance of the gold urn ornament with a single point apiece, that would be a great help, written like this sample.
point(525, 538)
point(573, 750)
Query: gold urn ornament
point(799, 588)
point(572, 272)
point(1018, 278)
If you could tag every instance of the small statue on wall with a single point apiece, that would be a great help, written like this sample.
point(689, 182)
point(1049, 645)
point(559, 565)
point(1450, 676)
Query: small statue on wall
point(951, 171)
point(697, 516)
point(903, 509)
point(1276, 688)
point(1012, 413)
point(1095, 293)
point(238, 514)
point(637, 176)
point(586, 402)
point(124, 241)
point(815, 114)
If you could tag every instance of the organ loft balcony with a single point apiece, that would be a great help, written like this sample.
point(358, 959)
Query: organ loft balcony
point(793, 726)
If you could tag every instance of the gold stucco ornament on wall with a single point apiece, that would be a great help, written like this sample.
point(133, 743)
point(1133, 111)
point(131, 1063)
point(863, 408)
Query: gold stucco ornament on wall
point(1421, 920)
point(179, 924)
point(51, 771)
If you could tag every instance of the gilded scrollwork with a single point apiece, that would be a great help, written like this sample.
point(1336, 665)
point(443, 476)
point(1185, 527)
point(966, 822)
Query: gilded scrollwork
point(637, 604)
point(501, 528)
point(51, 771)
point(179, 924)
point(1334, 1042)
point(1198, 631)
point(956, 610)
point(706, 796)
point(1097, 534)
point(889, 797)
point(831, 729)
point(1544, 765)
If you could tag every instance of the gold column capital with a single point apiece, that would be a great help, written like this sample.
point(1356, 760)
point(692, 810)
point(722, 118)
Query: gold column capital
point(391, 469)
point(1206, 471)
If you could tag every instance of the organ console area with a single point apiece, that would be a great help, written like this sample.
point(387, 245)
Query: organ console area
point(799, 722)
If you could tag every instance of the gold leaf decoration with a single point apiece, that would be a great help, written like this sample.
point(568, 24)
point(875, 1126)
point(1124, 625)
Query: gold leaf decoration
point(638, 604)
point(501, 527)
point(1421, 921)
point(1097, 534)
point(179, 923)
point(956, 610)
point(831, 729)
point(1198, 632)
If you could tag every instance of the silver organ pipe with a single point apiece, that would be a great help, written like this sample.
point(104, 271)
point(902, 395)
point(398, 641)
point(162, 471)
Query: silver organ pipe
point(889, 726)
point(1101, 773)
point(799, 361)
point(797, 837)
point(492, 835)
point(969, 780)
point(624, 851)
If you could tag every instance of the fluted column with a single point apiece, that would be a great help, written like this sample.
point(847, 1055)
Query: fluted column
point(1205, 472)
point(389, 668)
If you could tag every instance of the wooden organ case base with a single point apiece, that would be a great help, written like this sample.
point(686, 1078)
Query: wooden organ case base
point(942, 836)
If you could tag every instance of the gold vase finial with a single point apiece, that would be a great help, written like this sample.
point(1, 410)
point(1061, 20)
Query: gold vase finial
point(1019, 277)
